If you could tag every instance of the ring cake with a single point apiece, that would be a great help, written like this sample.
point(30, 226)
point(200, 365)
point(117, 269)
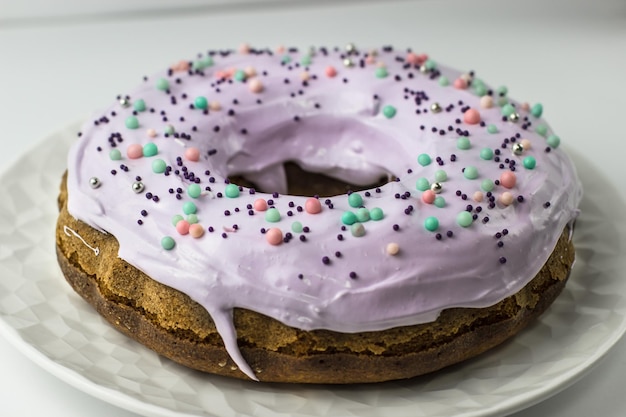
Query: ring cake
point(317, 216)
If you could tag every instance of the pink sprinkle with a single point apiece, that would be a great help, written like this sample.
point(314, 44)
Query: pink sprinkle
point(471, 117)
point(460, 84)
point(422, 58)
point(506, 198)
point(525, 144)
point(313, 206)
point(525, 106)
point(260, 204)
point(182, 227)
point(478, 196)
point(274, 236)
point(192, 154)
point(371, 59)
point(508, 179)
point(305, 76)
point(134, 151)
point(244, 48)
point(180, 66)
point(195, 230)
point(221, 74)
point(215, 106)
point(250, 72)
point(280, 49)
point(330, 71)
point(412, 58)
point(428, 196)
point(486, 102)
point(151, 133)
point(255, 85)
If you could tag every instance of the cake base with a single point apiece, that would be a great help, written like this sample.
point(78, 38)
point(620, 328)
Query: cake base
point(173, 325)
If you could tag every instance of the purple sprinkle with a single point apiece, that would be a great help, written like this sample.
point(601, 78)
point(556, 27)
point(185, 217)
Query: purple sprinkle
point(396, 227)
point(338, 254)
point(353, 275)
point(325, 260)
point(503, 260)
point(500, 243)
point(339, 237)
point(306, 229)
point(449, 233)
point(224, 235)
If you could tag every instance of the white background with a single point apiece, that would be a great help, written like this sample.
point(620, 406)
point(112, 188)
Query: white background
point(60, 60)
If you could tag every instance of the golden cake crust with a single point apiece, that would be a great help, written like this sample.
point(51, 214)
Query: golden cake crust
point(176, 327)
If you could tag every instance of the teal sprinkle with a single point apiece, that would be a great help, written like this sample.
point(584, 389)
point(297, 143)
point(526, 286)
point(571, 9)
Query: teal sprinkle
point(239, 75)
point(285, 59)
point(189, 208)
point(355, 200)
point(381, 72)
point(487, 184)
point(168, 243)
point(306, 60)
point(176, 218)
point(422, 184)
point(363, 215)
point(464, 219)
point(554, 141)
point(440, 175)
point(158, 166)
point(463, 143)
point(150, 149)
point(508, 110)
point(376, 214)
point(470, 172)
point(348, 218)
point(296, 227)
point(440, 202)
point(502, 91)
point(139, 105)
point(115, 155)
point(192, 218)
point(194, 190)
point(486, 154)
point(431, 223)
point(132, 122)
point(502, 101)
point(537, 110)
point(162, 84)
point(201, 103)
point(542, 130)
point(529, 162)
point(430, 64)
point(492, 128)
point(389, 111)
point(272, 215)
point(169, 130)
point(231, 191)
point(357, 230)
point(424, 159)
point(444, 81)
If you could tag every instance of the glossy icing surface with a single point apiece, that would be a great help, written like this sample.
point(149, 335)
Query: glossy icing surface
point(376, 114)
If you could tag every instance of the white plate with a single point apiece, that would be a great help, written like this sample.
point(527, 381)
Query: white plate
point(53, 326)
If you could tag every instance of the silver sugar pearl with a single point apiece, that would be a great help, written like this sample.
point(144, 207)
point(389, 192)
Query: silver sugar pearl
point(347, 62)
point(435, 108)
point(350, 48)
point(94, 182)
point(514, 117)
point(436, 187)
point(138, 187)
point(518, 148)
point(124, 102)
point(423, 69)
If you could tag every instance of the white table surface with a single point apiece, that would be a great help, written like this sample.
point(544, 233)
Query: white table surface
point(566, 54)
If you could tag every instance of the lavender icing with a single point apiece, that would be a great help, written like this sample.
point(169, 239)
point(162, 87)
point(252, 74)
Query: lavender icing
point(337, 126)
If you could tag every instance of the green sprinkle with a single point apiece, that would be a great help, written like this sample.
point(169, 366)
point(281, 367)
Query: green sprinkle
point(502, 91)
point(201, 103)
point(464, 219)
point(422, 184)
point(139, 105)
point(470, 172)
point(355, 200)
point(285, 59)
point(150, 149)
point(239, 75)
point(296, 227)
point(508, 110)
point(431, 223)
point(440, 202)
point(348, 218)
point(480, 90)
point(376, 214)
point(554, 141)
point(424, 159)
point(529, 162)
point(201, 64)
point(542, 130)
point(306, 60)
point(487, 184)
point(440, 175)
point(381, 72)
point(231, 191)
point(189, 208)
point(443, 81)
point(502, 101)
point(486, 154)
point(537, 110)
point(194, 190)
point(176, 218)
point(115, 155)
point(357, 230)
point(167, 243)
point(430, 64)
point(132, 122)
point(272, 215)
point(169, 130)
point(158, 166)
point(162, 84)
point(362, 214)
point(389, 112)
point(492, 128)
point(463, 143)
point(192, 218)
